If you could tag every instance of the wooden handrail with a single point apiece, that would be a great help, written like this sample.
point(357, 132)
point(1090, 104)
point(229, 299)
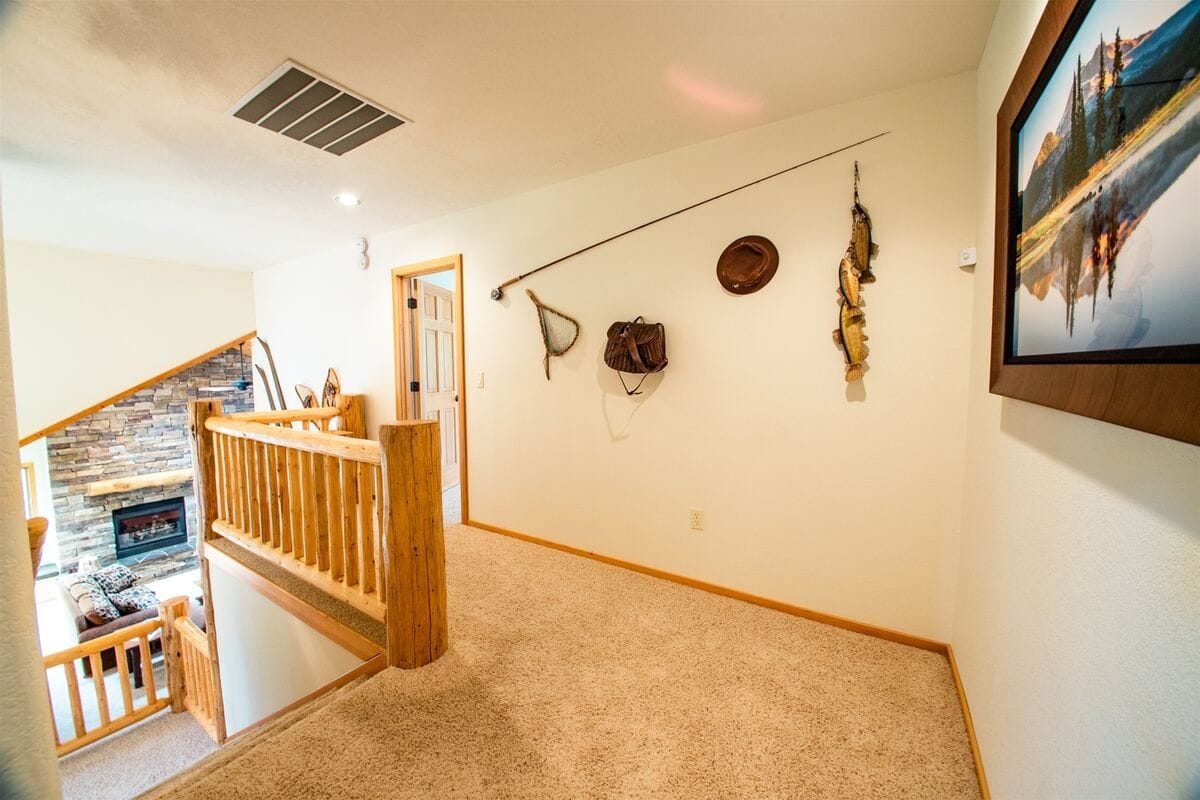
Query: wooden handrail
point(317, 442)
point(101, 643)
point(287, 415)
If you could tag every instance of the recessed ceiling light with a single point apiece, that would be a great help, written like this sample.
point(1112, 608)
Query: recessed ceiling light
point(347, 199)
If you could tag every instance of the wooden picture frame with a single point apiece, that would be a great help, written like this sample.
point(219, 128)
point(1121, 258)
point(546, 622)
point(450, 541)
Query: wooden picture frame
point(1160, 397)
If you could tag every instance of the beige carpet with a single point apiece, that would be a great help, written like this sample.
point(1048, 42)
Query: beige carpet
point(569, 678)
point(127, 763)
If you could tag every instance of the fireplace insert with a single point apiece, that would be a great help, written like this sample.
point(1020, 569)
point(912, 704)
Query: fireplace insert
point(149, 526)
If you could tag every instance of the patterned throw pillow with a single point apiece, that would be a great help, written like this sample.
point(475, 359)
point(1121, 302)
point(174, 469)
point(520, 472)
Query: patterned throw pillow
point(93, 604)
point(134, 599)
point(113, 578)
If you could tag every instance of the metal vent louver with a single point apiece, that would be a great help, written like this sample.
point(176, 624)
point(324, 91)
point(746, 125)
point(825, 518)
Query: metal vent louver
point(302, 105)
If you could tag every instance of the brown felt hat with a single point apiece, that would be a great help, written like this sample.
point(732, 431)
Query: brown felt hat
point(747, 264)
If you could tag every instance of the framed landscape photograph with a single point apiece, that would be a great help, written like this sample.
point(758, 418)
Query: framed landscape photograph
point(1097, 284)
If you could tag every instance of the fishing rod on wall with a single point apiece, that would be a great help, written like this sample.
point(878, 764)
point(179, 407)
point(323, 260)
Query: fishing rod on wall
point(498, 292)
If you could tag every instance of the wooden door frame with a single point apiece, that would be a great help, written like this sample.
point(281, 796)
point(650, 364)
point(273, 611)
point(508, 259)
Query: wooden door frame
point(402, 345)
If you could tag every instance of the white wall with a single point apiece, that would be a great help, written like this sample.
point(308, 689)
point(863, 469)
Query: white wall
point(843, 499)
point(28, 768)
point(269, 658)
point(89, 325)
point(1077, 627)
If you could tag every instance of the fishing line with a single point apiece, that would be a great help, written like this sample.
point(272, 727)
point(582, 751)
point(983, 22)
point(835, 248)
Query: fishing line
point(498, 292)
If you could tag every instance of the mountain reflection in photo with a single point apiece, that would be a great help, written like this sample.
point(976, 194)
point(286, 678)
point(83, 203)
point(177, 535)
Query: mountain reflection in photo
point(1108, 182)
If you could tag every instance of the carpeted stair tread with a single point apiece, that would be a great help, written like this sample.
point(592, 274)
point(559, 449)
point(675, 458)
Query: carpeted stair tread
point(363, 624)
point(233, 750)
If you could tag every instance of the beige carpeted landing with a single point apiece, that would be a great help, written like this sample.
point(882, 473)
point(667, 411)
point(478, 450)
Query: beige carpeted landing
point(129, 762)
point(569, 678)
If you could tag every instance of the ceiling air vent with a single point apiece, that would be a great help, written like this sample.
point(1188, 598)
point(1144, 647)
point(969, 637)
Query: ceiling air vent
point(303, 106)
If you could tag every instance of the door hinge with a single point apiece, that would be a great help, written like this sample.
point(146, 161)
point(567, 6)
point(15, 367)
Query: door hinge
point(414, 386)
point(412, 302)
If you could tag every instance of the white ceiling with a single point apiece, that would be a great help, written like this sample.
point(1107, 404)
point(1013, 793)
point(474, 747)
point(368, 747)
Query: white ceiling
point(115, 136)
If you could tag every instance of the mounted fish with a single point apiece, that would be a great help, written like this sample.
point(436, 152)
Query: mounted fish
point(851, 337)
point(849, 280)
point(861, 245)
point(559, 332)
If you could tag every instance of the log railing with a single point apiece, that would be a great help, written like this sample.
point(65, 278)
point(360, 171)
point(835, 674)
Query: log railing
point(191, 676)
point(358, 519)
point(189, 671)
point(134, 637)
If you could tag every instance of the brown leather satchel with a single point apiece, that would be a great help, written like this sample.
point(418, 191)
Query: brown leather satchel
point(638, 347)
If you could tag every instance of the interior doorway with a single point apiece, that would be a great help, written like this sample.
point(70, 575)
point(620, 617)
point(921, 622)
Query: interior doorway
point(430, 364)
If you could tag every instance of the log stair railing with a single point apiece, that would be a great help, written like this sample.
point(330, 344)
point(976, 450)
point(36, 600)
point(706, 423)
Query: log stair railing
point(358, 519)
point(133, 707)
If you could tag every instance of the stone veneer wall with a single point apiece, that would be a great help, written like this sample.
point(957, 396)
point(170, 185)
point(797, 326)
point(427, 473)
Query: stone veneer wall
point(143, 434)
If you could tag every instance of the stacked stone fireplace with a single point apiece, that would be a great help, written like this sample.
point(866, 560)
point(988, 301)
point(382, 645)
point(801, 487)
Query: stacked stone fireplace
point(154, 528)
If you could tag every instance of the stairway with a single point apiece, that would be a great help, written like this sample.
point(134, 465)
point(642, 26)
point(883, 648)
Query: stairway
point(236, 748)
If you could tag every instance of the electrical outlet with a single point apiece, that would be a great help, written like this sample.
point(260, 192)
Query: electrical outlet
point(696, 519)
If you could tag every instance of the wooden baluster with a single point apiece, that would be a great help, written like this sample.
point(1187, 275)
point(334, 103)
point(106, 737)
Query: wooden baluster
point(239, 488)
point(193, 675)
point(281, 499)
point(261, 493)
point(73, 696)
point(349, 518)
point(148, 671)
point(377, 504)
point(295, 492)
point(53, 715)
point(98, 684)
point(309, 494)
point(414, 547)
point(366, 523)
point(321, 511)
point(333, 517)
point(218, 468)
point(123, 677)
point(248, 489)
point(231, 481)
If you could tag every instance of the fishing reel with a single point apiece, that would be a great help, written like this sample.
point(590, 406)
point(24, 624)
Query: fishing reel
point(497, 294)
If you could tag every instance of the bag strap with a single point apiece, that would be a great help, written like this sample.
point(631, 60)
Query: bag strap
point(635, 390)
point(631, 345)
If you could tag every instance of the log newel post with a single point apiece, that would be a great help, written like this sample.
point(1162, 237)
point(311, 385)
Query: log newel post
point(169, 611)
point(413, 544)
point(354, 414)
point(204, 485)
point(204, 466)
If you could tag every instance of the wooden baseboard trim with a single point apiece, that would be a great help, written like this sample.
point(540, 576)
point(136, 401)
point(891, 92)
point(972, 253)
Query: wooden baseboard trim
point(324, 624)
point(966, 712)
point(368, 667)
point(787, 608)
point(119, 396)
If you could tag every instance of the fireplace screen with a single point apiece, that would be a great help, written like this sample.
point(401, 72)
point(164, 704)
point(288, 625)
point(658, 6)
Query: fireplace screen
point(149, 526)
